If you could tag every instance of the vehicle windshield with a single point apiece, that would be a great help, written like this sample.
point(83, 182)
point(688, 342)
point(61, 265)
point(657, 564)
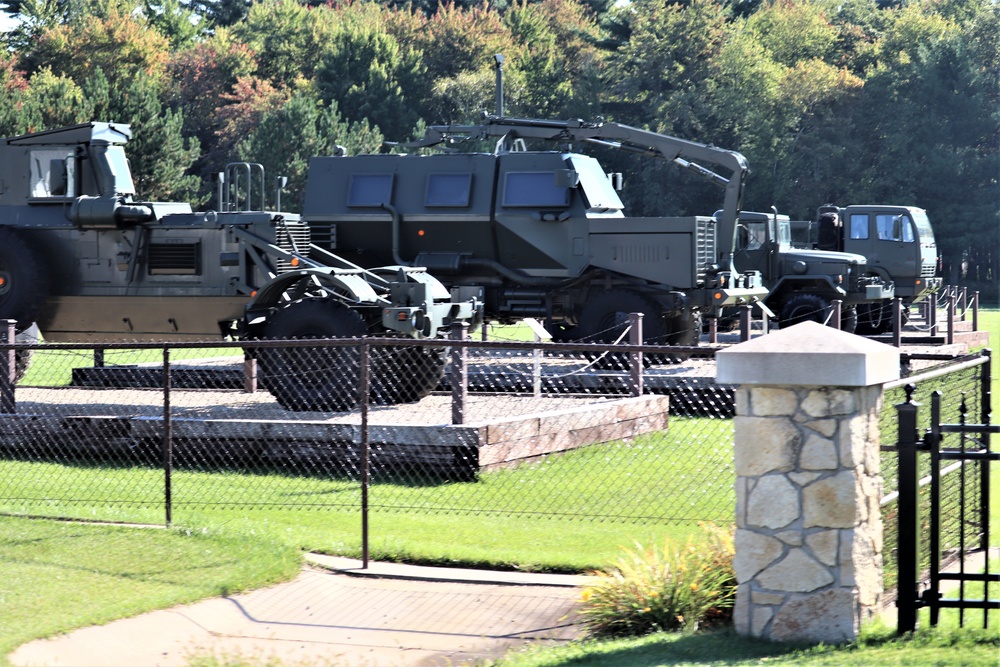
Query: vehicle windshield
point(784, 233)
point(923, 225)
point(119, 167)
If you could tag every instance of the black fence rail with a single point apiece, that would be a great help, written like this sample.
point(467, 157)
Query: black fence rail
point(965, 376)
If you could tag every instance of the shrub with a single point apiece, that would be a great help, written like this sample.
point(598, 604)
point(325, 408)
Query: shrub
point(649, 589)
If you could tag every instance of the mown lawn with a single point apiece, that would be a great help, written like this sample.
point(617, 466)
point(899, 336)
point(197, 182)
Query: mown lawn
point(59, 575)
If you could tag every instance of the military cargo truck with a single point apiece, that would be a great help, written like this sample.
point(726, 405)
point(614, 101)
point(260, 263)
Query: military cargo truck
point(803, 282)
point(535, 228)
point(897, 241)
point(88, 261)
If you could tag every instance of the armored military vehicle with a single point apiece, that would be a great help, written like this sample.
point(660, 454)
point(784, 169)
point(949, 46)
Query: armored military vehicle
point(89, 262)
point(803, 282)
point(535, 228)
point(897, 241)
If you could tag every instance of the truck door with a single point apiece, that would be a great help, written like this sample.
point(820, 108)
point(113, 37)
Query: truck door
point(896, 246)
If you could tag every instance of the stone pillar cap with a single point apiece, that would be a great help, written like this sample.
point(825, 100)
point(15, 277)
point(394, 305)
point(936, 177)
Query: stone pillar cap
point(808, 354)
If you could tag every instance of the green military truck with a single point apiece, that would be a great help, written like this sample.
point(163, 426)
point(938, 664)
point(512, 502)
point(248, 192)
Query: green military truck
point(85, 258)
point(897, 241)
point(803, 282)
point(535, 228)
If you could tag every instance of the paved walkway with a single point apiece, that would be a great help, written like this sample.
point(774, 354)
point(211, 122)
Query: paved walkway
point(391, 615)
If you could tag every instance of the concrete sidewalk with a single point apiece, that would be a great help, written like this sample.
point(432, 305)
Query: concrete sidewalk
point(335, 613)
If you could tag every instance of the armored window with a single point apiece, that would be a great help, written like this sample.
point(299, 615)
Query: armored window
point(52, 173)
point(450, 190)
point(536, 189)
point(859, 226)
point(370, 190)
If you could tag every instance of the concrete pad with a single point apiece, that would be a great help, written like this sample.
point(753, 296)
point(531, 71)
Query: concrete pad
point(389, 615)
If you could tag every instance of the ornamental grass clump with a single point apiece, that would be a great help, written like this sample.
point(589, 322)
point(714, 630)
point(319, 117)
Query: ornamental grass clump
point(679, 587)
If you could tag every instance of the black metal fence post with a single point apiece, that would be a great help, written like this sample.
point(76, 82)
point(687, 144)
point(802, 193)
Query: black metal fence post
point(8, 370)
point(363, 391)
point(746, 321)
point(836, 307)
point(985, 412)
point(933, 439)
point(950, 336)
point(168, 445)
point(635, 358)
point(908, 547)
point(459, 372)
point(897, 322)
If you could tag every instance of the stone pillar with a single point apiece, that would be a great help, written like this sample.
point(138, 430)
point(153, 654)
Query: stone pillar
point(808, 527)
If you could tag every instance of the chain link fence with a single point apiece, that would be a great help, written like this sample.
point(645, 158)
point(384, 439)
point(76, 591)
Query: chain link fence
point(155, 433)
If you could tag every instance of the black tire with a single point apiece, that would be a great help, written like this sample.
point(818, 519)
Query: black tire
point(22, 358)
point(313, 378)
point(405, 374)
point(24, 285)
point(803, 308)
point(812, 307)
point(605, 318)
point(683, 329)
point(874, 318)
point(849, 319)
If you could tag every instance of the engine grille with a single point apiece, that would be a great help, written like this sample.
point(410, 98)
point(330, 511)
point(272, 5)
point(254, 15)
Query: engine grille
point(174, 259)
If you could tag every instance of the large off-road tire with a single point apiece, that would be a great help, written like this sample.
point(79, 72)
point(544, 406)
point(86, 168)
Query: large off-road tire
point(683, 329)
point(874, 318)
point(605, 318)
point(22, 358)
point(24, 283)
point(812, 307)
point(313, 378)
point(405, 374)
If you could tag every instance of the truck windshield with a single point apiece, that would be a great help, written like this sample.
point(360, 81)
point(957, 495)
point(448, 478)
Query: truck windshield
point(119, 167)
point(923, 225)
point(784, 233)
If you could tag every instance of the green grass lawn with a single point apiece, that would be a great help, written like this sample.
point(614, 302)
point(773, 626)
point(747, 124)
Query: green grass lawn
point(569, 513)
point(59, 575)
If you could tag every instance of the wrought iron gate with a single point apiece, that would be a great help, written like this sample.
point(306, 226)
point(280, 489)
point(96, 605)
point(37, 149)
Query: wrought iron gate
point(957, 454)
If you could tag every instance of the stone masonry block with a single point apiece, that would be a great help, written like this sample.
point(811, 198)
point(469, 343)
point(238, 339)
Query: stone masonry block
point(830, 616)
point(773, 503)
point(773, 402)
point(818, 453)
point(831, 502)
point(765, 444)
point(754, 552)
point(796, 572)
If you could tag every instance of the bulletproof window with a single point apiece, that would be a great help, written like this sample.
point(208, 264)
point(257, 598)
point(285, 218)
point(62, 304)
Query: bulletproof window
point(859, 226)
point(536, 189)
point(52, 173)
point(451, 190)
point(370, 190)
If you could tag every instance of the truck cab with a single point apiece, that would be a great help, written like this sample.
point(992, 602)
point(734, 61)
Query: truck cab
point(803, 282)
point(897, 241)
